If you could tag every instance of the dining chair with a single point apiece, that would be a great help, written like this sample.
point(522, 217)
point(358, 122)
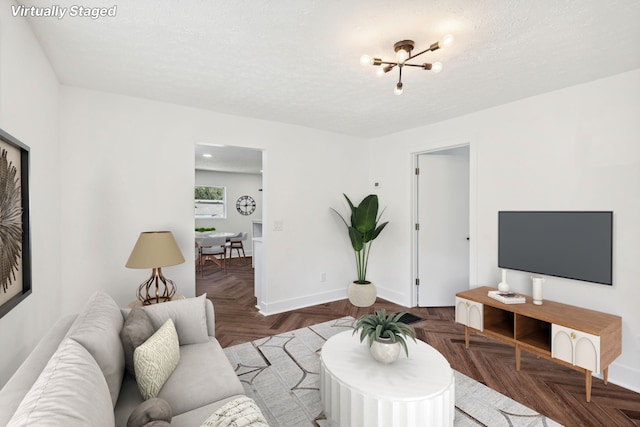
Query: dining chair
point(211, 248)
point(236, 243)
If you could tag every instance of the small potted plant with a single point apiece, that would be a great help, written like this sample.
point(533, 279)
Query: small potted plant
point(385, 334)
point(363, 229)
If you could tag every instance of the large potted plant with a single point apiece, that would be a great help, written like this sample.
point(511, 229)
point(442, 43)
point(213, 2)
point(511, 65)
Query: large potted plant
point(385, 334)
point(363, 229)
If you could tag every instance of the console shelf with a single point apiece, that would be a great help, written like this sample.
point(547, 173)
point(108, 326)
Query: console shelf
point(584, 340)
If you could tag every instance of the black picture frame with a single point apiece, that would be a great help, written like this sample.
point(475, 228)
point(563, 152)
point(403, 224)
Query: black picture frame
point(15, 238)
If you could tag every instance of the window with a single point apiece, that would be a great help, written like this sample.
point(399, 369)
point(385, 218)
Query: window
point(211, 202)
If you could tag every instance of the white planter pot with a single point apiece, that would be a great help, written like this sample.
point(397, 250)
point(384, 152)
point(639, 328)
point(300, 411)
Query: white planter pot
point(385, 352)
point(362, 295)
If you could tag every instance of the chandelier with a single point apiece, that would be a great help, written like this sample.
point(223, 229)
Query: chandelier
point(403, 51)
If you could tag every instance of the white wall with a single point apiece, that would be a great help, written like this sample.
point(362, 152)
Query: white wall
point(573, 149)
point(237, 185)
point(28, 111)
point(133, 170)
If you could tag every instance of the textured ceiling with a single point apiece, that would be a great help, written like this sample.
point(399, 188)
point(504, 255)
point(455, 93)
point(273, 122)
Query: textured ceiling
point(297, 61)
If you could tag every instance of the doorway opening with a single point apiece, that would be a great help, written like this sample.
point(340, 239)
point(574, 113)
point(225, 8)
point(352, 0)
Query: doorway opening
point(228, 201)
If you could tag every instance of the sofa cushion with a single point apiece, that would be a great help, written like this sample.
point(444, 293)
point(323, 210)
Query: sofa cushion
point(155, 409)
point(136, 330)
point(70, 391)
point(203, 376)
point(97, 328)
point(188, 315)
point(156, 359)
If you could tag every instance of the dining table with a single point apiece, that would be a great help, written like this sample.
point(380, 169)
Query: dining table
point(226, 234)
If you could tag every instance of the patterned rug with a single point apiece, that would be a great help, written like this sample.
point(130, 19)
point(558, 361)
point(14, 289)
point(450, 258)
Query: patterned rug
point(281, 374)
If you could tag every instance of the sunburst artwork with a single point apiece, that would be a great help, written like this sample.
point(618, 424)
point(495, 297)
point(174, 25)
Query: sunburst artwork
point(14, 232)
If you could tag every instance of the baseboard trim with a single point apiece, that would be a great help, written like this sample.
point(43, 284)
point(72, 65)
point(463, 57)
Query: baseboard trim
point(267, 309)
point(624, 377)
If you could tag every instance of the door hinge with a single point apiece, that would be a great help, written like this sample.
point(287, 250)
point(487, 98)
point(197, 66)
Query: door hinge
point(417, 282)
point(417, 227)
point(417, 171)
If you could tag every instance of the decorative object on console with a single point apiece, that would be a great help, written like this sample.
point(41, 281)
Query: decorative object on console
point(503, 286)
point(155, 249)
point(507, 297)
point(403, 50)
point(385, 334)
point(363, 229)
point(537, 290)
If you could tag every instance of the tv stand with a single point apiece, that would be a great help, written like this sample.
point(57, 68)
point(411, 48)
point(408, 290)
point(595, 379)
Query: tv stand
point(581, 339)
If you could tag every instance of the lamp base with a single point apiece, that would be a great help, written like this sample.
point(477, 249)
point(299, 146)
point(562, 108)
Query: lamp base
point(152, 284)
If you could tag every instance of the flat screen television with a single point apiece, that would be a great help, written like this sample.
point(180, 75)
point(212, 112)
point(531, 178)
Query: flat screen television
point(572, 245)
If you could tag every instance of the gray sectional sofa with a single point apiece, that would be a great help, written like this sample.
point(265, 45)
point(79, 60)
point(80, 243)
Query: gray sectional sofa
point(76, 375)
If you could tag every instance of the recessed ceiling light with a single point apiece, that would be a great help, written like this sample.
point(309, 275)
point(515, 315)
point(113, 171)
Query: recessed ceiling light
point(207, 155)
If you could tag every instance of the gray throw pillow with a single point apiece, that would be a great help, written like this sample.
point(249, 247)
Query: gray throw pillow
point(136, 330)
point(153, 412)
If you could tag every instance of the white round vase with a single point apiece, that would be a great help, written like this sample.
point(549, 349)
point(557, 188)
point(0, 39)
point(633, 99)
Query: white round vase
point(362, 295)
point(385, 352)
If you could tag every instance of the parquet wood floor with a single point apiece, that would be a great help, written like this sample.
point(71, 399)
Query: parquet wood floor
point(542, 385)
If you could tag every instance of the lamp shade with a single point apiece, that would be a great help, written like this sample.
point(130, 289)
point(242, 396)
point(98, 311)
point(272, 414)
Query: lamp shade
point(155, 249)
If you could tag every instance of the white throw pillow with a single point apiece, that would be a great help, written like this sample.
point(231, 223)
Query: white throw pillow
point(70, 391)
point(156, 359)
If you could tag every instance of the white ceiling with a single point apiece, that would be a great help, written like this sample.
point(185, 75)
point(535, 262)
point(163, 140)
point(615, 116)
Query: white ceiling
point(297, 61)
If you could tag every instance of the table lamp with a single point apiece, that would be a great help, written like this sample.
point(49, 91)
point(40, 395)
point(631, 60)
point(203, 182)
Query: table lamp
point(155, 249)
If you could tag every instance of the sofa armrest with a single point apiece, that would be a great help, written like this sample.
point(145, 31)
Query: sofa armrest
point(211, 319)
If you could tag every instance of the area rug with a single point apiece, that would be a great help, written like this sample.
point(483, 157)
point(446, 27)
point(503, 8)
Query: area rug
point(281, 374)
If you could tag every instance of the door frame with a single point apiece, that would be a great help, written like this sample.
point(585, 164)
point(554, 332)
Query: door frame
point(473, 258)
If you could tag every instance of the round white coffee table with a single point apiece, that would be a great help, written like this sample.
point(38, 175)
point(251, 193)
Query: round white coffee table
point(358, 391)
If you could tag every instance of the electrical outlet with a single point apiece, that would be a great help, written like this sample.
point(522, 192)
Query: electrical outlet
point(278, 226)
point(323, 277)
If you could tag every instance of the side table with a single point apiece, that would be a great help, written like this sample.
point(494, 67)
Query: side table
point(357, 391)
point(138, 303)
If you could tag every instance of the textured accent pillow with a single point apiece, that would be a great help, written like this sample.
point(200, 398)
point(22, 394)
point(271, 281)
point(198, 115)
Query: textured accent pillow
point(136, 330)
point(156, 359)
point(242, 411)
point(188, 315)
point(155, 409)
point(70, 391)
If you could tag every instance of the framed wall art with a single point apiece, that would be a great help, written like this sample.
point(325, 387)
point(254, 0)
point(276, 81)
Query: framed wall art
point(15, 250)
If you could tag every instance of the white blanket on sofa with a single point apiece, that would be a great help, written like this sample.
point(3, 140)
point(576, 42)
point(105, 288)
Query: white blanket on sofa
point(241, 412)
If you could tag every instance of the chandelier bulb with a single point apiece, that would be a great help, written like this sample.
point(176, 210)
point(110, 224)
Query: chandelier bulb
point(366, 60)
point(446, 41)
point(398, 89)
point(436, 67)
point(380, 72)
point(402, 55)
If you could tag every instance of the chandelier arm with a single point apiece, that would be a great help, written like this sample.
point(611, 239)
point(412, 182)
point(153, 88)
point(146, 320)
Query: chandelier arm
point(389, 63)
point(414, 65)
point(420, 53)
point(399, 74)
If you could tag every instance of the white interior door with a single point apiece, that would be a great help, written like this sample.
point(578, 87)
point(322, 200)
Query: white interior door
point(443, 218)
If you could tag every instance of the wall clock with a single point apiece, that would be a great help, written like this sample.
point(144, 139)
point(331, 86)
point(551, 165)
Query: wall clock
point(245, 205)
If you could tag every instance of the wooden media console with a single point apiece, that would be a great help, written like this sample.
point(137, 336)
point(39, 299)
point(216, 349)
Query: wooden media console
point(581, 339)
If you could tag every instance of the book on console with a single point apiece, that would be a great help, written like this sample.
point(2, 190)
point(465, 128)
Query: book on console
point(507, 297)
